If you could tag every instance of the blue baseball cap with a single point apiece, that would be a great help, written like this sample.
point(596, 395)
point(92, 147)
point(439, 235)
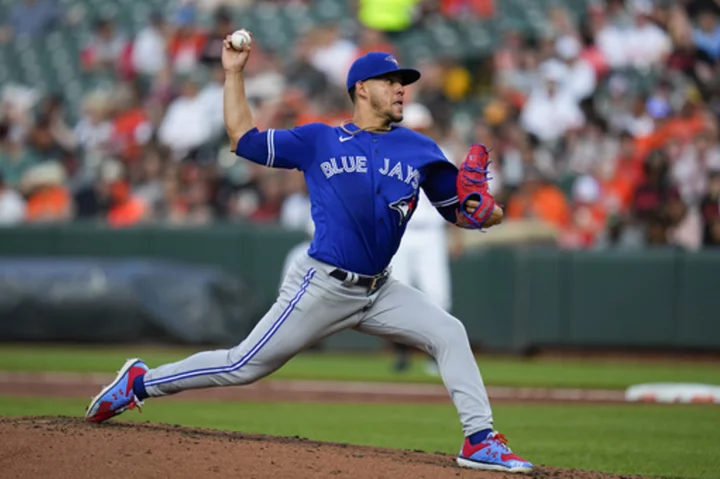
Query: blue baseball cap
point(375, 64)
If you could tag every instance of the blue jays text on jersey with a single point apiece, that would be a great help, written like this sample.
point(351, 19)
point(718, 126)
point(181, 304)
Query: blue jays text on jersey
point(363, 186)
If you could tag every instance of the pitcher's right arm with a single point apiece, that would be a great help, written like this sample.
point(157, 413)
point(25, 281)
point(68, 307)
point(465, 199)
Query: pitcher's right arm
point(236, 110)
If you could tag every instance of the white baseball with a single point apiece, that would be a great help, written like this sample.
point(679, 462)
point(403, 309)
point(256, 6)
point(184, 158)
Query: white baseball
point(240, 38)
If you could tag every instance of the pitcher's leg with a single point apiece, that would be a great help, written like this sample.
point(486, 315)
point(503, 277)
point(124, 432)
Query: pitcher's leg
point(273, 341)
point(401, 313)
point(311, 306)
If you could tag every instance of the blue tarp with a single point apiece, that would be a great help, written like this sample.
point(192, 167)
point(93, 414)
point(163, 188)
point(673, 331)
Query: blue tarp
point(101, 300)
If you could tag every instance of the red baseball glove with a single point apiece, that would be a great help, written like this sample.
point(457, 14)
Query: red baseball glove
point(472, 184)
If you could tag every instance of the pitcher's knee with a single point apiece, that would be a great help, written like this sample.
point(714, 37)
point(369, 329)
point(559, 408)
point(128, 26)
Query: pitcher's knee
point(451, 334)
point(247, 372)
point(240, 377)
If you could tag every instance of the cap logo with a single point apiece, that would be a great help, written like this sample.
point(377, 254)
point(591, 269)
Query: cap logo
point(392, 59)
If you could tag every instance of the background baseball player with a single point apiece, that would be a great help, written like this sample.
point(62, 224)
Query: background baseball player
point(428, 237)
point(363, 180)
point(297, 251)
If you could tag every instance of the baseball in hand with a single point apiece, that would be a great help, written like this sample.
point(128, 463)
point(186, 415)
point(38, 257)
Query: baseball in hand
point(240, 38)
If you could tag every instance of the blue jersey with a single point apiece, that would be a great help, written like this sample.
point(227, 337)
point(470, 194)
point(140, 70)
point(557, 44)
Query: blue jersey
point(363, 186)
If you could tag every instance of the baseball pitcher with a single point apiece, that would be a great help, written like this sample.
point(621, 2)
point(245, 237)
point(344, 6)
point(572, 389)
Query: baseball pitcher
point(363, 180)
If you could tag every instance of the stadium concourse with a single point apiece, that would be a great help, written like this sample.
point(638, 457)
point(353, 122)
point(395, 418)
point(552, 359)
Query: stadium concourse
point(602, 115)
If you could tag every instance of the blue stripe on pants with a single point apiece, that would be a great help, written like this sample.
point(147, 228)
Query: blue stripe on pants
point(255, 349)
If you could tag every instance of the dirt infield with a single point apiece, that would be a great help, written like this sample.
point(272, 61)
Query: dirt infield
point(86, 385)
point(52, 447)
point(69, 447)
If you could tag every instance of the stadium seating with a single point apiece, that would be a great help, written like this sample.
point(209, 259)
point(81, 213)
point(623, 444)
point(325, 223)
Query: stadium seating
point(52, 63)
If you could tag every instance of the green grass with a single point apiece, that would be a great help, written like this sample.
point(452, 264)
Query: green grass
point(651, 440)
point(377, 367)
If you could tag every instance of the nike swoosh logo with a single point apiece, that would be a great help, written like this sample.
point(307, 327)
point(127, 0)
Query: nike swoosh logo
point(343, 139)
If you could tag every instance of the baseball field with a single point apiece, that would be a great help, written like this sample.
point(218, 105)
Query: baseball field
point(326, 415)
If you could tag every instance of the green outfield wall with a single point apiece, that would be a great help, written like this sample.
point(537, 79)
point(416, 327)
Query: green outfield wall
point(509, 299)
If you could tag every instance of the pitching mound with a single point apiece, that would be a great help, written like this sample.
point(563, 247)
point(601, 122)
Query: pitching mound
point(59, 447)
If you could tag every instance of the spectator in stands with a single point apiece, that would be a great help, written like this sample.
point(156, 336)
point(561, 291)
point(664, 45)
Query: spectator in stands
point(15, 158)
point(655, 197)
point(300, 71)
point(16, 109)
point(646, 44)
point(211, 97)
point(588, 34)
point(171, 209)
point(610, 35)
point(589, 148)
point(579, 80)
point(104, 50)
point(94, 130)
point(295, 211)
point(93, 198)
point(647, 80)
point(126, 209)
point(271, 198)
point(186, 42)
point(621, 176)
point(243, 196)
point(640, 120)
point(131, 128)
point(12, 205)
point(222, 27)
point(707, 33)
point(710, 211)
point(265, 81)
point(50, 137)
point(513, 155)
point(186, 126)
point(191, 199)
point(691, 169)
point(539, 199)
point(332, 53)
point(148, 180)
point(684, 224)
point(198, 211)
point(517, 67)
point(149, 49)
point(431, 93)
point(550, 112)
point(680, 29)
point(507, 56)
point(48, 199)
point(588, 215)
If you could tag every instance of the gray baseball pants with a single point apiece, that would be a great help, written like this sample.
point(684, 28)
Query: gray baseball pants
point(313, 305)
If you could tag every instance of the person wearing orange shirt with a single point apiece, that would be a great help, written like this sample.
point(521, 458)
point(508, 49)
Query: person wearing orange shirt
point(627, 172)
point(187, 42)
point(126, 209)
point(48, 200)
point(540, 200)
point(131, 126)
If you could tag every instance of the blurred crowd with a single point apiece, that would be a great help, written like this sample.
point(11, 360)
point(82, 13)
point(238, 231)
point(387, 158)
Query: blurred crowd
point(604, 128)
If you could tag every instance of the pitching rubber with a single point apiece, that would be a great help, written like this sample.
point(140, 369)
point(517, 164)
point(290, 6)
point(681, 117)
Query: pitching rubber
point(462, 462)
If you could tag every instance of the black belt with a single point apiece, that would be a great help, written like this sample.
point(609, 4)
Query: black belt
point(373, 283)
